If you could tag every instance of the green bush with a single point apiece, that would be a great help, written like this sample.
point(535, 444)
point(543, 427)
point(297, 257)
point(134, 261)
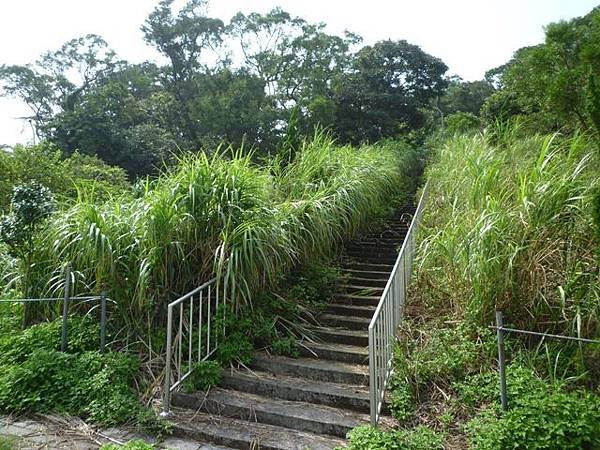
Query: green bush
point(131, 445)
point(557, 420)
point(370, 438)
point(461, 122)
point(220, 214)
point(204, 375)
point(36, 377)
point(286, 347)
point(64, 176)
point(509, 227)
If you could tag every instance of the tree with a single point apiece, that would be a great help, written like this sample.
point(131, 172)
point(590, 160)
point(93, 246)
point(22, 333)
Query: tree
point(465, 96)
point(31, 205)
point(56, 82)
point(550, 81)
point(124, 119)
point(184, 39)
point(264, 43)
point(383, 93)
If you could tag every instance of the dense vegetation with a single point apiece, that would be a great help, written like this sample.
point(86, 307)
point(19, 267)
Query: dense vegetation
point(240, 82)
point(512, 223)
point(244, 184)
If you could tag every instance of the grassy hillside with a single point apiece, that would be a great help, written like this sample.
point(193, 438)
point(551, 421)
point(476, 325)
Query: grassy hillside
point(509, 224)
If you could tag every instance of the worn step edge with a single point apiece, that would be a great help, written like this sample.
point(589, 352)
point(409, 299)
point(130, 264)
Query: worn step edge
point(341, 336)
point(369, 291)
point(366, 274)
point(353, 299)
point(351, 310)
point(354, 280)
point(246, 435)
point(366, 266)
point(353, 397)
point(352, 323)
point(314, 369)
point(336, 352)
point(301, 416)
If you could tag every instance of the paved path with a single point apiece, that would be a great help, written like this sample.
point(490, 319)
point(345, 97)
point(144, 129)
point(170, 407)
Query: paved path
point(58, 433)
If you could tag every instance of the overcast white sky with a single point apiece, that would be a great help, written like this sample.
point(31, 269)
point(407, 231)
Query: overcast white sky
point(470, 36)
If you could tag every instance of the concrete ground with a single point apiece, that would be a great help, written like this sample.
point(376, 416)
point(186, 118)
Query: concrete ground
point(50, 432)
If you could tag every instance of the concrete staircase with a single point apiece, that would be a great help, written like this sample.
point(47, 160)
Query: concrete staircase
point(311, 402)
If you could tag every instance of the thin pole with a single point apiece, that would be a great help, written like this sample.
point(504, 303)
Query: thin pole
point(65, 311)
point(102, 321)
point(501, 361)
point(167, 393)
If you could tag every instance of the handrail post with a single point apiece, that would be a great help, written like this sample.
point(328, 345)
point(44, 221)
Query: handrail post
point(167, 393)
point(102, 321)
point(65, 309)
point(501, 361)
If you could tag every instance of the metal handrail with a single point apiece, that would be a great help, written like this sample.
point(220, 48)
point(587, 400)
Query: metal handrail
point(194, 325)
point(388, 314)
point(66, 299)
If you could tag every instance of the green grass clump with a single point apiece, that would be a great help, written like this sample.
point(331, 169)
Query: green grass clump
point(370, 438)
point(223, 215)
point(509, 226)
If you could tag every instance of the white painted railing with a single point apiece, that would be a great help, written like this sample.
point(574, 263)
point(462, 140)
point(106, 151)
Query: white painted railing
point(194, 337)
point(389, 312)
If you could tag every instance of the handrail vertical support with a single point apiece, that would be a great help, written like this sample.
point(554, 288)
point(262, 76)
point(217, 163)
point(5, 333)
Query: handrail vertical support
point(103, 322)
point(501, 360)
point(65, 308)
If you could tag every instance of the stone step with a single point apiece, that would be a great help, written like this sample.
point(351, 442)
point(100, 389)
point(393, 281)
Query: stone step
point(313, 369)
point(366, 274)
point(394, 242)
point(353, 264)
point(350, 323)
point(355, 397)
point(370, 252)
point(351, 310)
point(246, 435)
point(370, 282)
point(368, 291)
point(341, 336)
point(337, 352)
point(301, 416)
point(358, 300)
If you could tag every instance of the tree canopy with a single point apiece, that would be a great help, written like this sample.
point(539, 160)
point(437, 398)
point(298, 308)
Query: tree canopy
point(238, 83)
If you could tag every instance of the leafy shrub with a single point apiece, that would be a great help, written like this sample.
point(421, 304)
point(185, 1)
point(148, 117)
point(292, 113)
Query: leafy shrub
point(8, 443)
point(286, 347)
point(131, 445)
point(66, 177)
point(204, 375)
point(400, 399)
point(35, 376)
point(444, 354)
point(461, 122)
point(557, 420)
point(15, 348)
point(371, 438)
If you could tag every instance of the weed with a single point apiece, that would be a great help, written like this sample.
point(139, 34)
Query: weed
point(204, 375)
point(371, 438)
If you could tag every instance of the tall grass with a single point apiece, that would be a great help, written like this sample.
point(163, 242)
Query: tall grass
point(219, 215)
point(509, 226)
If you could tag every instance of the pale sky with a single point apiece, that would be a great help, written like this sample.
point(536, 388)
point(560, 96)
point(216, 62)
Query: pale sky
point(470, 36)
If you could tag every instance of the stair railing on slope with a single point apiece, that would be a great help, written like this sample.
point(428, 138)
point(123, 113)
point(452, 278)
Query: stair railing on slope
point(389, 312)
point(194, 338)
